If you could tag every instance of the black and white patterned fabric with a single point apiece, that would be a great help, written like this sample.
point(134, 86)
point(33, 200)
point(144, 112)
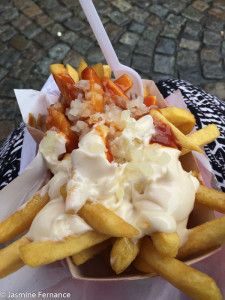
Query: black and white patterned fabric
point(207, 109)
point(10, 156)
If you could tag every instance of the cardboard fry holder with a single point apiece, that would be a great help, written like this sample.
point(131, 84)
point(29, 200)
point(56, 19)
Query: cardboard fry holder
point(26, 183)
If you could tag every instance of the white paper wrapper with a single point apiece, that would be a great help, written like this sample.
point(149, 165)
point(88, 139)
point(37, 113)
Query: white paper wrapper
point(56, 277)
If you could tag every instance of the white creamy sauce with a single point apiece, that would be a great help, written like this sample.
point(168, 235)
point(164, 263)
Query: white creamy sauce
point(145, 184)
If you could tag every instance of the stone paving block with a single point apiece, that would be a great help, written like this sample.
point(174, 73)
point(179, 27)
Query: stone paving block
point(176, 6)
point(35, 81)
point(151, 33)
point(10, 14)
point(154, 21)
point(60, 14)
point(31, 30)
point(22, 69)
point(48, 4)
point(129, 38)
point(166, 46)
point(212, 70)
point(34, 53)
point(189, 44)
point(214, 23)
point(7, 32)
point(113, 31)
point(173, 19)
point(138, 14)
point(102, 8)
point(187, 58)
point(210, 54)
point(75, 24)
point(4, 4)
point(8, 109)
point(20, 42)
point(45, 40)
point(122, 5)
point(3, 73)
point(55, 29)
point(143, 4)
point(136, 27)
point(145, 47)
point(8, 85)
point(192, 75)
point(21, 22)
point(32, 11)
point(44, 20)
point(216, 88)
point(219, 3)
point(58, 52)
point(193, 14)
point(122, 51)
point(212, 38)
point(3, 47)
point(69, 37)
point(119, 18)
point(158, 10)
point(95, 56)
point(8, 57)
point(171, 31)
point(42, 66)
point(217, 13)
point(141, 63)
point(82, 45)
point(164, 64)
point(22, 4)
point(200, 5)
point(73, 58)
point(193, 29)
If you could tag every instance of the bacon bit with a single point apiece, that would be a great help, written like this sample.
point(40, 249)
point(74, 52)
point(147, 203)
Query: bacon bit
point(150, 100)
point(124, 82)
point(164, 135)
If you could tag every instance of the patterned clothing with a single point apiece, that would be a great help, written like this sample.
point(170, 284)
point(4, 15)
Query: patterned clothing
point(206, 108)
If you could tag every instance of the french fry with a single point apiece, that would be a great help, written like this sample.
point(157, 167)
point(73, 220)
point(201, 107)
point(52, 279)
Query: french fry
point(203, 136)
point(166, 243)
point(192, 282)
point(21, 220)
point(123, 252)
point(180, 118)
point(44, 252)
point(213, 199)
point(183, 141)
point(124, 82)
point(73, 73)
point(107, 71)
point(142, 266)
point(10, 260)
point(82, 65)
point(65, 83)
point(86, 254)
point(98, 68)
point(204, 237)
point(105, 221)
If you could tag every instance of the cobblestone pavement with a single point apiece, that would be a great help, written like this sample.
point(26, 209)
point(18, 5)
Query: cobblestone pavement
point(159, 38)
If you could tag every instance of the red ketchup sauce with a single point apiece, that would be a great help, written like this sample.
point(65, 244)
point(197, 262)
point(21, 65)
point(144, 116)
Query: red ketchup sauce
point(164, 135)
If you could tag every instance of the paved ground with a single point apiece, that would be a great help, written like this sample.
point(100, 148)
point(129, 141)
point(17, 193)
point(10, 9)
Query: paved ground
point(159, 38)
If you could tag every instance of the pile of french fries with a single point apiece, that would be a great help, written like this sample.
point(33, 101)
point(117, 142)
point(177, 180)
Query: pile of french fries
point(158, 254)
